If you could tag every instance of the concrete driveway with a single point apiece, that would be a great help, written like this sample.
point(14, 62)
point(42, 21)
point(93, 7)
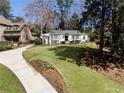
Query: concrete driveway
point(32, 81)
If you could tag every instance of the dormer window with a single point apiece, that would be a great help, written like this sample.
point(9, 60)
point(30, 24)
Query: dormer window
point(8, 28)
point(15, 28)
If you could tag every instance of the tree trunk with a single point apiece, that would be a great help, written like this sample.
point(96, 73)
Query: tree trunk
point(41, 30)
point(102, 29)
point(101, 40)
point(115, 30)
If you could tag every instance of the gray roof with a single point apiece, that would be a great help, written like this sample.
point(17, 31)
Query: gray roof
point(63, 32)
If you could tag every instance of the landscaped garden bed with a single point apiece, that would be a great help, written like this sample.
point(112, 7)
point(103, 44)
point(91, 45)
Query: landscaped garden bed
point(51, 74)
point(5, 46)
point(78, 77)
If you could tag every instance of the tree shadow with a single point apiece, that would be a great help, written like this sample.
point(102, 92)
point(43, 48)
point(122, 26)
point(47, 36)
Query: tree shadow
point(72, 52)
point(89, 57)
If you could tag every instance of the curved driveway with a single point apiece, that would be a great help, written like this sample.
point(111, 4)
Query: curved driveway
point(32, 81)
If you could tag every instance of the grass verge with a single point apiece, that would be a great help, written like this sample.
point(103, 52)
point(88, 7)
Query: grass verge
point(9, 82)
point(79, 79)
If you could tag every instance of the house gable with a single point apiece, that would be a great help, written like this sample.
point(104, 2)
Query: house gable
point(14, 31)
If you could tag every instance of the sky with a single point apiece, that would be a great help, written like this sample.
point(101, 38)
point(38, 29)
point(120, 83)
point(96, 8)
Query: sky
point(18, 6)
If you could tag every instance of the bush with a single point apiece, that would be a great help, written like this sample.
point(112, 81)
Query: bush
point(46, 29)
point(71, 42)
point(5, 45)
point(77, 41)
point(93, 36)
point(38, 41)
point(97, 42)
point(62, 42)
point(31, 41)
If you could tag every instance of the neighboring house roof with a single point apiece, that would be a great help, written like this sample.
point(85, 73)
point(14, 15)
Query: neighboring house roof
point(4, 21)
point(64, 32)
point(19, 26)
point(72, 32)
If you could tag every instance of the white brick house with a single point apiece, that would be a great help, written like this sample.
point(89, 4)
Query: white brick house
point(57, 36)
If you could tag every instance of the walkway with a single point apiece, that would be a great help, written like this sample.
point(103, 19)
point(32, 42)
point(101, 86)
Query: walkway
point(32, 81)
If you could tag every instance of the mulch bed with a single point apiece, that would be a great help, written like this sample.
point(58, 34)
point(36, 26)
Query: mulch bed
point(51, 74)
point(13, 47)
point(109, 65)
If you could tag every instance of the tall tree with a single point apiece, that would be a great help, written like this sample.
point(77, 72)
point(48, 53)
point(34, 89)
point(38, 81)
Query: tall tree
point(99, 12)
point(40, 12)
point(64, 6)
point(37, 30)
point(118, 27)
point(5, 8)
point(74, 22)
point(16, 18)
point(115, 25)
point(19, 19)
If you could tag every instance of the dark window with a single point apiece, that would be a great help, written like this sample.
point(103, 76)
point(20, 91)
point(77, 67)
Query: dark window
point(14, 39)
point(8, 28)
point(66, 38)
point(14, 28)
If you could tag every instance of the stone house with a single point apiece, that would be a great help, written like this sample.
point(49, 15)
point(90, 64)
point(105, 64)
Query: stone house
point(15, 32)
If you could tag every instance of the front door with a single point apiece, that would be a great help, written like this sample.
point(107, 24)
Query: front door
point(66, 38)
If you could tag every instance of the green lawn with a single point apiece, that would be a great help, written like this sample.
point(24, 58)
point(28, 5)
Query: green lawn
point(8, 82)
point(79, 79)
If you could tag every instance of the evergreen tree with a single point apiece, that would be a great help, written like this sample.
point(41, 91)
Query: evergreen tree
point(5, 8)
point(118, 27)
point(64, 5)
point(99, 12)
point(74, 22)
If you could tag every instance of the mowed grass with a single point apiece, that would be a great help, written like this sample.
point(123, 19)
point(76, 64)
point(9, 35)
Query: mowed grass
point(79, 79)
point(8, 82)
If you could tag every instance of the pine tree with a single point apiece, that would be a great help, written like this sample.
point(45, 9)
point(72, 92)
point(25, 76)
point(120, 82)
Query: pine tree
point(5, 8)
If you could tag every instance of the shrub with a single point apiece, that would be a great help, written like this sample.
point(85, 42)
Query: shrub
point(62, 42)
point(5, 45)
point(93, 36)
point(46, 29)
point(97, 42)
point(38, 41)
point(77, 41)
point(31, 41)
point(71, 42)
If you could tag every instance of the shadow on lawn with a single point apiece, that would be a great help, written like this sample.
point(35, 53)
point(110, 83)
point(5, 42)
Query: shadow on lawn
point(89, 57)
point(72, 52)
